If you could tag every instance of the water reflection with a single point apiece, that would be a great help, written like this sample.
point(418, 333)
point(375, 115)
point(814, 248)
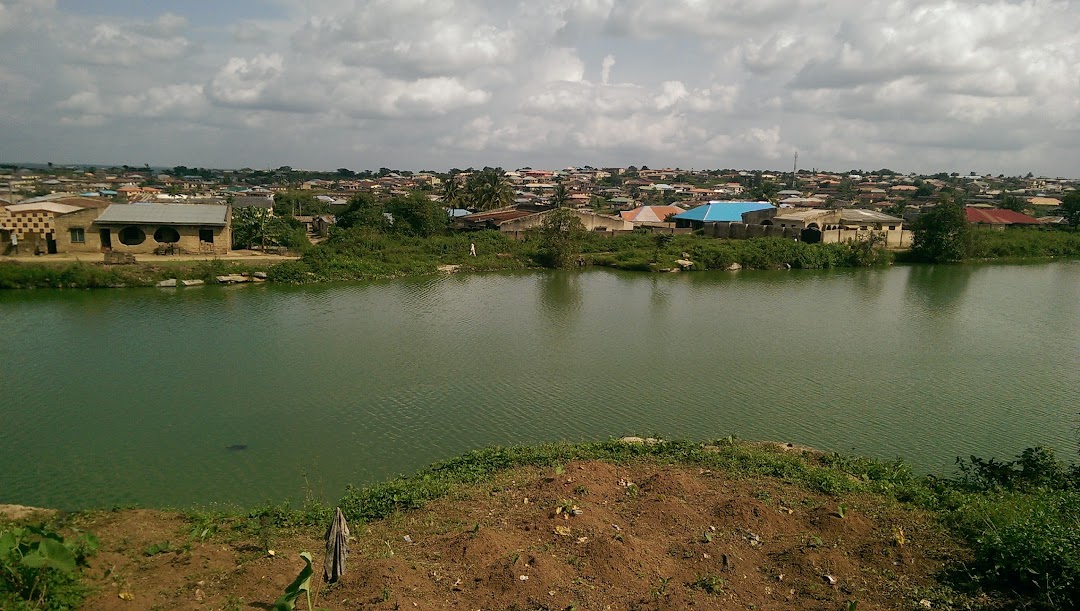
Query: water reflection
point(938, 290)
point(560, 294)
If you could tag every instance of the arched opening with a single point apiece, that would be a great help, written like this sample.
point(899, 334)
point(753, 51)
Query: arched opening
point(766, 222)
point(810, 235)
point(132, 236)
point(166, 235)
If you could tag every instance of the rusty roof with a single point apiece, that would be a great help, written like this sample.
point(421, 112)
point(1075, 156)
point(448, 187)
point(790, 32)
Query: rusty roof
point(995, 216)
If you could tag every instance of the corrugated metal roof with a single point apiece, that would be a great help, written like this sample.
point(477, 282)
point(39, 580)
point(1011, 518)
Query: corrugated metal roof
point(993, 216)
point(650, 214)
point(856, 215)
point(722, 211)
point(54, 207)
point(142, 213)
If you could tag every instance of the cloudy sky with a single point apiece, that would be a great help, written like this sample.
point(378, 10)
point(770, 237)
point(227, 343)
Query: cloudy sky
point(913, 85)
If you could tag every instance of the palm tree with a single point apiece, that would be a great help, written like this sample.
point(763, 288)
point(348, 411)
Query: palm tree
point(452, 195)
point(488, 189)
point(559, 198)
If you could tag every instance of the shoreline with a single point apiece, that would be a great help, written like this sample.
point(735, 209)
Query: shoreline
point(23, 273)
point(713, 520)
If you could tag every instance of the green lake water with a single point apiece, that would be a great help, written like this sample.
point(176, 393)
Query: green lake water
point(133, 396)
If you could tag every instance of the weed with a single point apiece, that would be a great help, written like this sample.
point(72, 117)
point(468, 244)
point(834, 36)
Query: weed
point(39, 567)
point(158, 548)
point(710, 584)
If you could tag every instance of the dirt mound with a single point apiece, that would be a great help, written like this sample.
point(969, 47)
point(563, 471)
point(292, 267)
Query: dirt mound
point(586, 536)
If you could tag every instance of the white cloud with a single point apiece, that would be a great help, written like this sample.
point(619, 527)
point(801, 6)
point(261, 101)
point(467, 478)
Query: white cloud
point(605, 70)
point(242, 81)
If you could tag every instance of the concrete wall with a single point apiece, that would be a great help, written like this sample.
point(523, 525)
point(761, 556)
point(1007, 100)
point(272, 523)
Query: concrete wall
point(894, 238)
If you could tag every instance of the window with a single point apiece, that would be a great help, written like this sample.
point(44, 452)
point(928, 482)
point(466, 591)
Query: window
point(206, 235)
point(166, 235)
point(78, 235)
point(132, 236)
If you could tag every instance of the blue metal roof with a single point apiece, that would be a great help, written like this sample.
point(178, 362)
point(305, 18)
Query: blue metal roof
point(722, 211)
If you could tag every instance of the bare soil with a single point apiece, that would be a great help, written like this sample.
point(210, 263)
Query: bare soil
point(588, 536)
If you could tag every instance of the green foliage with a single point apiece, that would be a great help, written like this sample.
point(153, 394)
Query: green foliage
point(942, 234)
point(560, 237)
point(1012, 202)
point(1025, 543)
point(302, 583)
point(363, 254)
point(299, 203)
point(1070, 209)
point(253, 226)
point(417, 215)
point(1035, 467)
point(820, 474)
point(488, 189)
point(38, 567)
point(1022, 520)
point(363, 210)
point(710, 584)
point(1024, 243)
point(74, 275)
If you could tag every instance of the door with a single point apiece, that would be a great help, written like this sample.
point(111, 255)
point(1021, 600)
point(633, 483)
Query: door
point(106, 239)
point(50, 244)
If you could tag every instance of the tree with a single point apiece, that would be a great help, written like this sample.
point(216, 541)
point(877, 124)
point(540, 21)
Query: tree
point(488, 189)
point(417, 215)
point(560, 198)
point(453, 197)
point(943, 233)
point(561, 234)
point(251, 226)
point(363, 211)
point(1012, 202)
point(1070, 208)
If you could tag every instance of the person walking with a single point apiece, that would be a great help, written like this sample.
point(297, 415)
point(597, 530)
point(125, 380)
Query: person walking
point(472, 250)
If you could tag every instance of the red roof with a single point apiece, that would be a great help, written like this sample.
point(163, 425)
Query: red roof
point(995, 216)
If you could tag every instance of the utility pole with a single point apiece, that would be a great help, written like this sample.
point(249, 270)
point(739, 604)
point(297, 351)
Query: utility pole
point(794, 169)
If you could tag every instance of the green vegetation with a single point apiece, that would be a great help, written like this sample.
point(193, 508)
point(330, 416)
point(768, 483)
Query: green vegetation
point(942, 234)
point(253, 227)
point(19, 275)
point(1070, 209)
point(39, 567)
point(560, 238)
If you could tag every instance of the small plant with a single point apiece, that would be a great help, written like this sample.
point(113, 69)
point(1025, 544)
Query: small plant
point(661, 589)
point(38, 567)
point(158, 548)
point(710, 584)
point(841, 511)
point(302, 583)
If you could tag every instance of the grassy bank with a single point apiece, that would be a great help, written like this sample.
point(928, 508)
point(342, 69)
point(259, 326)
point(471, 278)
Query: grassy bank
point(364, 254)
point(79, 275)
point(1019, 519)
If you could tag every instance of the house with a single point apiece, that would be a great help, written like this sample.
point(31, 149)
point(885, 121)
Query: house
point(590, 220)
point(712, 212)
point(33, 224)
point(650, 214)
point(254, 201)
point(996, 218)
point(144, 228)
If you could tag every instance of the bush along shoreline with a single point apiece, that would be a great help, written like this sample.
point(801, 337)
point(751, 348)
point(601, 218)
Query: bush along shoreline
point(1019, 519)
point(363, 253)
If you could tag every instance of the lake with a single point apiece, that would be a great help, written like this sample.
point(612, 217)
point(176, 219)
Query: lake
point(238, 395)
